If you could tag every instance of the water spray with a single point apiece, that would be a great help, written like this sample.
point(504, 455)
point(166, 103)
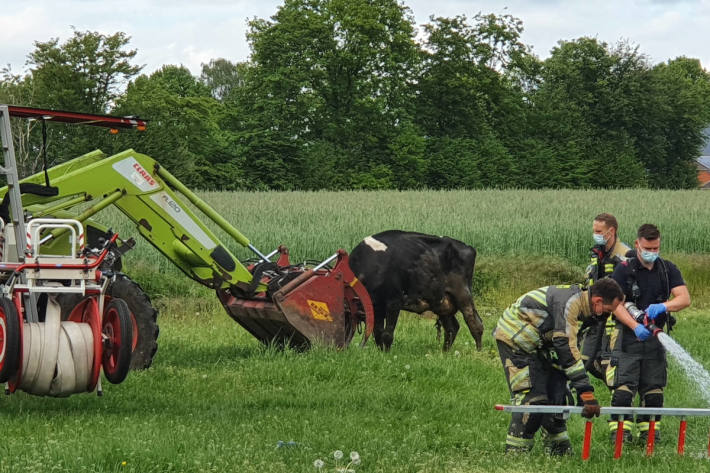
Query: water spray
point(694, 370)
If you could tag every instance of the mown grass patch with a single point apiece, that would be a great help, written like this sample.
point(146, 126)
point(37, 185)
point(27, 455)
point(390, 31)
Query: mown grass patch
point(216, 400)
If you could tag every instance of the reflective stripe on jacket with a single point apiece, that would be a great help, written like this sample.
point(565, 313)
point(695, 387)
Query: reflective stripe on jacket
point(547, 319)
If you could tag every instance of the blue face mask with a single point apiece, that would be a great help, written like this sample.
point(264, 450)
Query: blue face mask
point(649, 256)
point(599, 239)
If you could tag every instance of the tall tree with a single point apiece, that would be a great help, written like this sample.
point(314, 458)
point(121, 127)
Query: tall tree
point(584, 107)
point(183, 131)
point(222, 76)
point(467, 92)
point(335, 72)
point(676, 111)
point(464, 86)
point(16, 89)
point(86, 73)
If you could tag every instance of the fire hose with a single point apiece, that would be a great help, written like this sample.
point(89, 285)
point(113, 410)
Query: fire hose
point(57, 356)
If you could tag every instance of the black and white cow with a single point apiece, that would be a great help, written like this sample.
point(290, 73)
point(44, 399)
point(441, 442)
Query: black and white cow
point(417, 272)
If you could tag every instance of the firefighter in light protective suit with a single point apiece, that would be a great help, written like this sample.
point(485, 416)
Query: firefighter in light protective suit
point(537, 343)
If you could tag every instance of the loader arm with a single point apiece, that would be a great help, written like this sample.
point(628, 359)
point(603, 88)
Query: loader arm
point(277, 302)
point(148, 195)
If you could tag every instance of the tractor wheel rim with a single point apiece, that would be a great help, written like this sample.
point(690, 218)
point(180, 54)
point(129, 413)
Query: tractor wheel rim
point(134, 322)
point(112, 331)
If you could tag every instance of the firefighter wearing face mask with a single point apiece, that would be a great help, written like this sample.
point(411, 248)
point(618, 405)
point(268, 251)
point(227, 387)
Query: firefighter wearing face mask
point(607, 252)
point(654, 288)
point(537, 342)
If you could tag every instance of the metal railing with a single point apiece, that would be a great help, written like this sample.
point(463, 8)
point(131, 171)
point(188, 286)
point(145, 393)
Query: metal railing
point(652, 412)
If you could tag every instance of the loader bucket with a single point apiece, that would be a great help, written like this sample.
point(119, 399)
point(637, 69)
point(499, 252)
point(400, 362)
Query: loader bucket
point(321, 305)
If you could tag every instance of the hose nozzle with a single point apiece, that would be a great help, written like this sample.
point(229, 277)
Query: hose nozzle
point(651, 326)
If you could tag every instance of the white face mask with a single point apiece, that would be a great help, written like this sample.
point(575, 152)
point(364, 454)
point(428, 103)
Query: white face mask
point(649, 256)
point(599, 239)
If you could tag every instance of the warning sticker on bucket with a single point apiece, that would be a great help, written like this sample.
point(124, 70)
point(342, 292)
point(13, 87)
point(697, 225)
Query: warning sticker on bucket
point(319, 310)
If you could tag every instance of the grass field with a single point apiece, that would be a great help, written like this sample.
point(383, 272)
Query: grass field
point(216, 400)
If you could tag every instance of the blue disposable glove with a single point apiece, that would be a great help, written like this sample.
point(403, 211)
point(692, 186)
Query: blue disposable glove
point(642, 333)
point(654, 310)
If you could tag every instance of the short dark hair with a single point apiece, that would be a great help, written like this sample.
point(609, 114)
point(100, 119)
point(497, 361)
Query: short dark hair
point(608, 289)
point(648, 231)
point(607, 219)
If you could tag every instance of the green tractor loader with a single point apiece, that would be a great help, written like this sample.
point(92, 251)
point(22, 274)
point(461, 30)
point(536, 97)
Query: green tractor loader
point(277, 302)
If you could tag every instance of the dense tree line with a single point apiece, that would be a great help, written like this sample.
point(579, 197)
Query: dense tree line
point(344, 94)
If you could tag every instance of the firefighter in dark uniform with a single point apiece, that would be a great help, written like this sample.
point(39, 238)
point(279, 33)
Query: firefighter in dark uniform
point(537, 343)
point(607, 252)
point(653, 288)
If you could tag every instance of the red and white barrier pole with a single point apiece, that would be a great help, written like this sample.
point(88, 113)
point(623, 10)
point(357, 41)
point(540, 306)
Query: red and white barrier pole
point(619, 439)
point(681, 436)
point(587, 440)
point(651, 437)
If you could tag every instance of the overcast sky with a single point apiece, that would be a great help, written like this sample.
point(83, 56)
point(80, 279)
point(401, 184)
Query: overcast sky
point(193, 32)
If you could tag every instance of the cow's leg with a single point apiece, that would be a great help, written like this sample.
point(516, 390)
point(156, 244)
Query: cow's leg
point(451, 328)
point(390, 325)
point(380, 313)
point(471, 317)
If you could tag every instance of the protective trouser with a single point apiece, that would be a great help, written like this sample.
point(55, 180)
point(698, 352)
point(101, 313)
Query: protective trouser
point(639, 367)
point(595, 348)
point(532, 380)
point(591, 349)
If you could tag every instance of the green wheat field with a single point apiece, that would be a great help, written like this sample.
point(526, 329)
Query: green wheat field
point(215, 400)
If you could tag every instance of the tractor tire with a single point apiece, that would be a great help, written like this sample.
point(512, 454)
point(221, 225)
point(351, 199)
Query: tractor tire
point(143, 314)
point(145, 317)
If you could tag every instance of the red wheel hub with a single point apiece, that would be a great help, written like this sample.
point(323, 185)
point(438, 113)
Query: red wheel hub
point(134, 341)
point(112, 339)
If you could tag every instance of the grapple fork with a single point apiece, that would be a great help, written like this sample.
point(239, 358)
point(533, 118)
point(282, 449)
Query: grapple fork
point(316, 304)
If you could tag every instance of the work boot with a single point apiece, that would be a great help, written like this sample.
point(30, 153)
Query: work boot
point(628, 437)
point(514, 450)
point(643, 437)
point(559, 449)
point(518, 445)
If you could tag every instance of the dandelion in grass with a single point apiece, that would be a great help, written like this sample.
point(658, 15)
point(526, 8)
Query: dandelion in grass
point(406, 367)
point(338, 454)
point(318, 463)
point(355, 458)
point(457, 353)
point(123, 463)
